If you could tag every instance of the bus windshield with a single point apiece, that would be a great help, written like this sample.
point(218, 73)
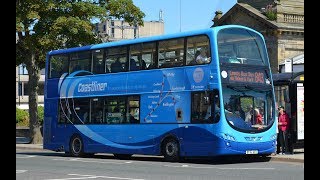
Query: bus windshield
point(241, 46)
point(248, 108)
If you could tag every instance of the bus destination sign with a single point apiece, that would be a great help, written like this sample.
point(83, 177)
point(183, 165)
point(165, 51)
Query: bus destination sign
point(245, 76)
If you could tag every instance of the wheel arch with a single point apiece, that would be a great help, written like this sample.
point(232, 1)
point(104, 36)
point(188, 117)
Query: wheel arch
point(166, 137)
point(74, 135)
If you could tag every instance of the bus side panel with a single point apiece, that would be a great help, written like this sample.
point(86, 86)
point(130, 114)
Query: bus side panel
point(126, 139)
point(199, 140)
point(54, 133)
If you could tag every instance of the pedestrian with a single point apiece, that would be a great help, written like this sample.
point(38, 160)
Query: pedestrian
point(283, 126)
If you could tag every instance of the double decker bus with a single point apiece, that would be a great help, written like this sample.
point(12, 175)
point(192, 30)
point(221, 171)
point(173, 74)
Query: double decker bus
point(201, 93)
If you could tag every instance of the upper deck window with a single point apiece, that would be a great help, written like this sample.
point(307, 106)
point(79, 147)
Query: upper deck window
point(144, 56)
point(58, 65)
point(196, 45)
point(116, 59)
point(98, 62)
point(171, 53)
point(241, 46)
point(80, 61)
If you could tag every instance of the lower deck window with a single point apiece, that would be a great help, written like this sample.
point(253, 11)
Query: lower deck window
point(205, 107)
point(100, 110)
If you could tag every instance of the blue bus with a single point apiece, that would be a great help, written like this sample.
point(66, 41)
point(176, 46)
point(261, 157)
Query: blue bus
point(201, 93)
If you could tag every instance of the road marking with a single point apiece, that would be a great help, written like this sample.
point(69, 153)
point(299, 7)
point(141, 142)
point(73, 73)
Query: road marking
point(20, 171)
point(91, 161)
point(85, 176)
point(250, 168)
point(24, 156)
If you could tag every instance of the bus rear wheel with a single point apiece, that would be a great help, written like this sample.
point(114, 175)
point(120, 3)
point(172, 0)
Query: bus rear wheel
point(170, 150)
point(76, 146)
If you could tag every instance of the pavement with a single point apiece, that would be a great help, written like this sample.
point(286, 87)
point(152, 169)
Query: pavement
point(297, 156)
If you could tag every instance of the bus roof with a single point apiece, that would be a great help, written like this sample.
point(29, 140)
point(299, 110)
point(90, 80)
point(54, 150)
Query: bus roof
point(142, 39)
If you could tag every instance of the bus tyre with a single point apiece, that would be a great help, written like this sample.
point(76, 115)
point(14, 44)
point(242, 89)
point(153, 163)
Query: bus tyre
point(76, 146)
point(170, 150)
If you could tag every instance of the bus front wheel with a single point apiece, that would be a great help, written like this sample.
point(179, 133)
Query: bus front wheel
point(76, 146)
point(170, 150)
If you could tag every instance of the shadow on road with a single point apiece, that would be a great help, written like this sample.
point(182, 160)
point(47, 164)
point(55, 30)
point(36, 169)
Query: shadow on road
point(195, 160)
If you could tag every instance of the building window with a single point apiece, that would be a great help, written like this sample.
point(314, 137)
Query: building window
point(43, 72)
point(41, 88)
point(135, 32)
point(25, 89)
point(112, 29)
point(20, 89)
point(22, 69)
point(112, 32)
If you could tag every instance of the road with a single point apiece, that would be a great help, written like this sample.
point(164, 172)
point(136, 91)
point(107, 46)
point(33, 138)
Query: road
point(48, 165)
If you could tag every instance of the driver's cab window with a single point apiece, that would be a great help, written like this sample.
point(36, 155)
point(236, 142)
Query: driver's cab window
point(205, 107)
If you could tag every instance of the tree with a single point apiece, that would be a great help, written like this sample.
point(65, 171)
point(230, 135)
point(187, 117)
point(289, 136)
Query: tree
point(44, 25)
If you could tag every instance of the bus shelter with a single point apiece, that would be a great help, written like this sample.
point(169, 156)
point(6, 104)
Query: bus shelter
point(289, 92)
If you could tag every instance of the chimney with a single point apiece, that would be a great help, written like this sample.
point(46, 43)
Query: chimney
point(217, 16)
point(161, 16)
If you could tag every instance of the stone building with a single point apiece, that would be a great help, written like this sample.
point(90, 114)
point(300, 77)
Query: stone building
point(22, 94)
point(114, 30)
point(281, 23)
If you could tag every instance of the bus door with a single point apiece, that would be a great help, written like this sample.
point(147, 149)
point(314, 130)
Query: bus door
point(198, 135)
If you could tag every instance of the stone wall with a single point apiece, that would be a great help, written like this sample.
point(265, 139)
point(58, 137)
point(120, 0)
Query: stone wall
point(290, 45)
point(22, 131)
point(272, 44)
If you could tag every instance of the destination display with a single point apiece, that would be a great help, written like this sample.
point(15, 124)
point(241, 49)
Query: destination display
point(243, 76)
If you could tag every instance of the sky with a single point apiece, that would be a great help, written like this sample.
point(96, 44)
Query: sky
point(193, 15)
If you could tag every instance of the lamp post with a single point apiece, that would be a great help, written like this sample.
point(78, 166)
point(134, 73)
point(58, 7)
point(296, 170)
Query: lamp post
point(180, 15)
point(291, 69)
point(19, 88)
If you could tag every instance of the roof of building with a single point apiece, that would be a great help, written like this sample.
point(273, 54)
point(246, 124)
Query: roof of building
point(255, 13)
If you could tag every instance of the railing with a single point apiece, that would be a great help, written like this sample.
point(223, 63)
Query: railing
point(293, 18)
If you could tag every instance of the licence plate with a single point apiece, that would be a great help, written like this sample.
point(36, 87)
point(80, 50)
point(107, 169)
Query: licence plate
point(252, 152)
